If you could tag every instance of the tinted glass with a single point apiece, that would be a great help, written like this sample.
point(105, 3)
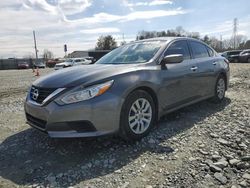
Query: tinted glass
point(132, 53)
point(199, 50)
point(68, 60)
point(178, 47)
point(234, 52)
point(246, 52)
point(224, 54)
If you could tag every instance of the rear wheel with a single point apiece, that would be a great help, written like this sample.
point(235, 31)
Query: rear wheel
point(220, 89)
point(137, 115)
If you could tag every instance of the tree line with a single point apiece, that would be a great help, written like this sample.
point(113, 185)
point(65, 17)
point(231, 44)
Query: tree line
point(108, 42)
point(238, 42)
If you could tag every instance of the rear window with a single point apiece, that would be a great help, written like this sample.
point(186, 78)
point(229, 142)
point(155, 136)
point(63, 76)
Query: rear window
point(199, 50)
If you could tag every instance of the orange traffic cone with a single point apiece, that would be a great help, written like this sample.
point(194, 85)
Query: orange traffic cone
point(37, 72)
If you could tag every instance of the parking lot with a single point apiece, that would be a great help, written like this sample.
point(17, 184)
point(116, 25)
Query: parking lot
point(203, 145)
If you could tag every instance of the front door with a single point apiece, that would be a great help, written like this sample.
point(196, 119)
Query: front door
point(178, 80)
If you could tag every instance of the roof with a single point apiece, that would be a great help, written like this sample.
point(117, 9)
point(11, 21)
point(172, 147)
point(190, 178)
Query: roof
point(167, 39)
point(233, 51)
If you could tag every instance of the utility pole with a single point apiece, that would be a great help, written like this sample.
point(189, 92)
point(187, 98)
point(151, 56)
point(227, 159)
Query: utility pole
point(235, 29)
point(123, 37)
point(34, 35)
point(65, 50)
point(221, 43)
point(123, 40)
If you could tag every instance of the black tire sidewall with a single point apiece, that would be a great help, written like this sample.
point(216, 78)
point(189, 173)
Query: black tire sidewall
point(216, 98)
point(125, 130)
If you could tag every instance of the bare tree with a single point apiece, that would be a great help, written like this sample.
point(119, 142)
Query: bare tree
point(215, 43)
point(47, 54)
point(123, 43)
point(247, 45)
point(180, 31)
point(177, 32)
point(237, 41)
point(29, 56)
point(240, 39)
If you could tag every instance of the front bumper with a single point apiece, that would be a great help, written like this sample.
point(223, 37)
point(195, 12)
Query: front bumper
point(94, 117)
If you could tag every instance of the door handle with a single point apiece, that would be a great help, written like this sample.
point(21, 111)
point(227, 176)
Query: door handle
point(193, 68)
point(214, 63)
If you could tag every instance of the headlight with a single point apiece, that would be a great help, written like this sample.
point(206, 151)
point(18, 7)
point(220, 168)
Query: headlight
point(86, 93)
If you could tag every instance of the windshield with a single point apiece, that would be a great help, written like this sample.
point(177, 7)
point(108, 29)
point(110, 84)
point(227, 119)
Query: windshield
point(245, 52)
point(132, 53)
point(234, 53)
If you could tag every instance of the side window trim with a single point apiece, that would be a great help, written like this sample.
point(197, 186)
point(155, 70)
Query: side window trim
point(190, 50)
point(208, 50)
point(179, 40)
point(190, 41)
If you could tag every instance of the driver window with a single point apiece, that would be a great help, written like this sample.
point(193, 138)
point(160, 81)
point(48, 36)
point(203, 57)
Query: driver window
point(178, 47)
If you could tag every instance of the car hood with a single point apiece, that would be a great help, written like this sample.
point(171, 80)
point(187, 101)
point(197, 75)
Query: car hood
point(87, 74)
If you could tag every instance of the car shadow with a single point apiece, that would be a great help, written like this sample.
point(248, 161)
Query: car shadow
point(30, 157)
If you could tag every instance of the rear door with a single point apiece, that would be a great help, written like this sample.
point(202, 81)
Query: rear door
point(206, 63)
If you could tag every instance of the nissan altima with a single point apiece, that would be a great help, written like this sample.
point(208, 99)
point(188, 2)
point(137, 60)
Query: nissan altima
point(127, 90)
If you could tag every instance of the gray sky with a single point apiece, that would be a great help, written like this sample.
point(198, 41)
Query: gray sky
point(78, 23)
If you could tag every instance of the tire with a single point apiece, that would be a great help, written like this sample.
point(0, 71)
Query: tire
point(137, 121)
point(248, 60)
point(219, 90)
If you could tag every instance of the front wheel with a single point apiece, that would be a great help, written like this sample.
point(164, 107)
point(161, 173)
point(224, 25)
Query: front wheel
point(137, 115)
point(220, 89)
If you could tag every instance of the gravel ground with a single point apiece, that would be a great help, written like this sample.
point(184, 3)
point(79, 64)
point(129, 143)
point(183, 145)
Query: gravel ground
point(203, 145)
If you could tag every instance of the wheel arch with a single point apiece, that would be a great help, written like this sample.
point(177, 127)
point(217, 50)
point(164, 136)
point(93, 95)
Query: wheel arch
point(152, 93)
point(224, 75)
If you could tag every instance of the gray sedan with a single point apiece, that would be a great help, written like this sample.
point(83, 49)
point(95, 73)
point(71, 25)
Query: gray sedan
point(128, 89)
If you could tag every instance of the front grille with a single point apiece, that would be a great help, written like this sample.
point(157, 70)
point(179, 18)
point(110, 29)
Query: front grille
point(38, 94)
point(38, 123)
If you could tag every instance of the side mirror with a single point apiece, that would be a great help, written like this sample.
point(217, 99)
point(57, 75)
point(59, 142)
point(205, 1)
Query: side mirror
point(170, 59)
